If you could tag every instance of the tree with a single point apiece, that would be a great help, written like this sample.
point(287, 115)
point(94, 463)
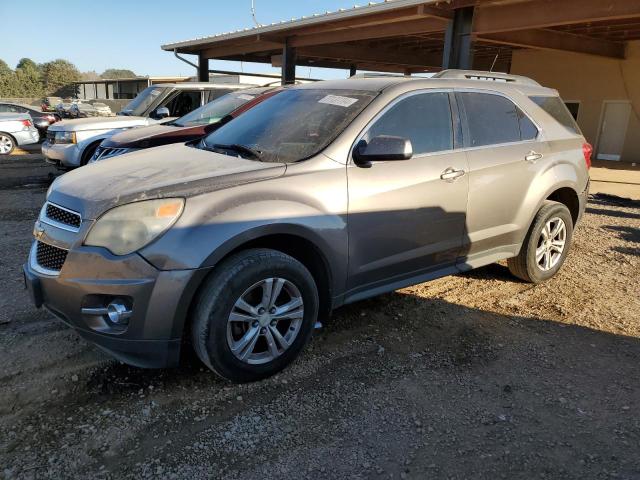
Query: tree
point(58, 77)
point(110, 73)
point(90, 76)
point(27, 63)
point(4, 68)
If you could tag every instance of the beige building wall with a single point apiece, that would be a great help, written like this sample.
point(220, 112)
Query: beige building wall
point(591, 80)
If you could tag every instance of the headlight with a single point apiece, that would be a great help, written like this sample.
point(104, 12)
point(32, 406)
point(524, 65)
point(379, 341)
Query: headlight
point(130, 227)
point(65, 137)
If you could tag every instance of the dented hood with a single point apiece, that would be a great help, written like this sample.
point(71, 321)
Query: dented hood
point(173, 170)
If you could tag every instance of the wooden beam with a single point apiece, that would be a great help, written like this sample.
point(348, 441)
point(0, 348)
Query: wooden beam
point(555, 40)
point(400, 15)
point(395, 29)
point(548, 13)
point(238, 49)
point(358, 55)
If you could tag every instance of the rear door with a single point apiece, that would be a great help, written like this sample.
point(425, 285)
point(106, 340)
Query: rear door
point(405, 220)
point(504, 155)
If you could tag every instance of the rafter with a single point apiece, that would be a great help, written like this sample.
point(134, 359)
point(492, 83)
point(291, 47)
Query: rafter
point(547, 39)
point(548, 13)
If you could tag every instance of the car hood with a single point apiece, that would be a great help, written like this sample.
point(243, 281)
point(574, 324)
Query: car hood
point(101, 123)
point(173, 170)
point(152, 136)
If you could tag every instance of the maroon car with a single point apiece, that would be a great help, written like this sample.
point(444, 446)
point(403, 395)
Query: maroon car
point(194, 125)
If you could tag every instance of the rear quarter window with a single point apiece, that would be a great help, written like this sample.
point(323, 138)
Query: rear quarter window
point(555, 107)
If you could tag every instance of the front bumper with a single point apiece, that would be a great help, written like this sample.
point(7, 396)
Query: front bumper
point(65, 155)
point(26, 137)
point(91, 277)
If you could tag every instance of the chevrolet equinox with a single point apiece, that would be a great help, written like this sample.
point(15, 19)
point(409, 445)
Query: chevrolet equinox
point(322, 195)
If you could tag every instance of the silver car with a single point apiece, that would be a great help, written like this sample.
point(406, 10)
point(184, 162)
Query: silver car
point(322, 195)
point(16, 129)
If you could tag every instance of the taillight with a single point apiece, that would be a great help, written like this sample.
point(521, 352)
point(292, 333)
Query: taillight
point(587, 150)
point(26, 123)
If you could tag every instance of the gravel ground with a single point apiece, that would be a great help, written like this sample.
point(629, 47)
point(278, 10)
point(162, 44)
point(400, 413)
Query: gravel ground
point(470, 376)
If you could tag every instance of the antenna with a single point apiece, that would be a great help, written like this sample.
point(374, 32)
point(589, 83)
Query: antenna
point(253, 13)
point(494, 61)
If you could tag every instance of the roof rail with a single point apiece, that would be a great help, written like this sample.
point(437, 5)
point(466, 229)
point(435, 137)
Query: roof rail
point(487, 76)
point(377, 75)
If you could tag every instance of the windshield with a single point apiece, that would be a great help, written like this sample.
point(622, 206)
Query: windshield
point(214, 111)
point(291, 126)
point(139, 105)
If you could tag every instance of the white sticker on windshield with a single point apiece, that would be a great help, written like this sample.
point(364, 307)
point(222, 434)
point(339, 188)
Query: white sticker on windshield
point(244, 96)
point(338, 100)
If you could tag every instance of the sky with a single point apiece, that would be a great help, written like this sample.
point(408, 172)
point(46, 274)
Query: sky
point(96, 35)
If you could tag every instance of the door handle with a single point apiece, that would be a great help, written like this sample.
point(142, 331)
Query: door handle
point(533, 157)
point(450, 174)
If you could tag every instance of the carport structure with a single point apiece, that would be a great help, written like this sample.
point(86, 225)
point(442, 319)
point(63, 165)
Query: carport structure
point(411, 36)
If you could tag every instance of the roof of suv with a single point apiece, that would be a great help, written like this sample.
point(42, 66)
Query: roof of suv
point(446, 79)
point(205, 85)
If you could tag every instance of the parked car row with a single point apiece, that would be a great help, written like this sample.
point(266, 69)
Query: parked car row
point(72, 143)
point(287, 203)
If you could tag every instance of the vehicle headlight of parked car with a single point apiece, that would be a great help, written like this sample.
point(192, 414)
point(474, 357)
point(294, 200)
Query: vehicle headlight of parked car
point(64, 137)
point(128, 228)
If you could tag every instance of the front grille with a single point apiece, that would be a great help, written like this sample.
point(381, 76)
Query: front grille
point(102, 153)
point(50, 257)
point(62, 215)
point(51, 136)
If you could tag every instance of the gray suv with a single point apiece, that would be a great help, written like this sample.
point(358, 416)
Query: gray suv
point(322, 195)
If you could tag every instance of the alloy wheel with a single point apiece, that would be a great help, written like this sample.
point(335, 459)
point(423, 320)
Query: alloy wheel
point(265, 321)
point(551, 244)
point(6, 144)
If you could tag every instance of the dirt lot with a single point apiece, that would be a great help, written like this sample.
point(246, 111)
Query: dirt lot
point(471, 376)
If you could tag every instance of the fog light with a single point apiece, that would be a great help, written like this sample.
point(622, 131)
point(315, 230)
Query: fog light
point(117, 312)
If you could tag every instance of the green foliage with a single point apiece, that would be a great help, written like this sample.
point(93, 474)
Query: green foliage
point(117, 73)
point(27, 63)
point(53, 78)
point(58, 77)
point(4, 68)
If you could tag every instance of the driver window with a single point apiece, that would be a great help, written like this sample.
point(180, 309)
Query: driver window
point(425, 119)
point(184, 103)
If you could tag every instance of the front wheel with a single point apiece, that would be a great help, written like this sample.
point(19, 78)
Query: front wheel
point(254, 314)
point(546, 245)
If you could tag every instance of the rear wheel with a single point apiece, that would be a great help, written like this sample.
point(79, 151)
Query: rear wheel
point(7, 144)
point(546, 245)
point(254, 315)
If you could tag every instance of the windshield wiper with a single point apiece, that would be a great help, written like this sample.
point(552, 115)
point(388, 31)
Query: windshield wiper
point(235, 148)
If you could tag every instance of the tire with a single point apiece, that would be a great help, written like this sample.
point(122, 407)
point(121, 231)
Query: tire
point(242, 277)
point(7, 144)
point(530, 265)
point(88, 153)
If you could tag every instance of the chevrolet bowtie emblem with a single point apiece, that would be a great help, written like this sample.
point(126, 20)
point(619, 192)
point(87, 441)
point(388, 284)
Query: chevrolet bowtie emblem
point(38, 232)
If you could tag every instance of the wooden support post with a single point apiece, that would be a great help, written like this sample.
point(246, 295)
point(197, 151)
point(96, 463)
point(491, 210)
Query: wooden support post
point(203, 68)
point(288, 64)
point(457, 40)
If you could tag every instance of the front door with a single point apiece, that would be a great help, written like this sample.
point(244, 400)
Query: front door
point(613, 130)
point(404, 219)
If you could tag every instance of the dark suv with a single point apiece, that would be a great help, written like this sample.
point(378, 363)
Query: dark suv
point(322, 195)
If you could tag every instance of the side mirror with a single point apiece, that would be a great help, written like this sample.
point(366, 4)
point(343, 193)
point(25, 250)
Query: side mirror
point(382, 148)
point(162, 112)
